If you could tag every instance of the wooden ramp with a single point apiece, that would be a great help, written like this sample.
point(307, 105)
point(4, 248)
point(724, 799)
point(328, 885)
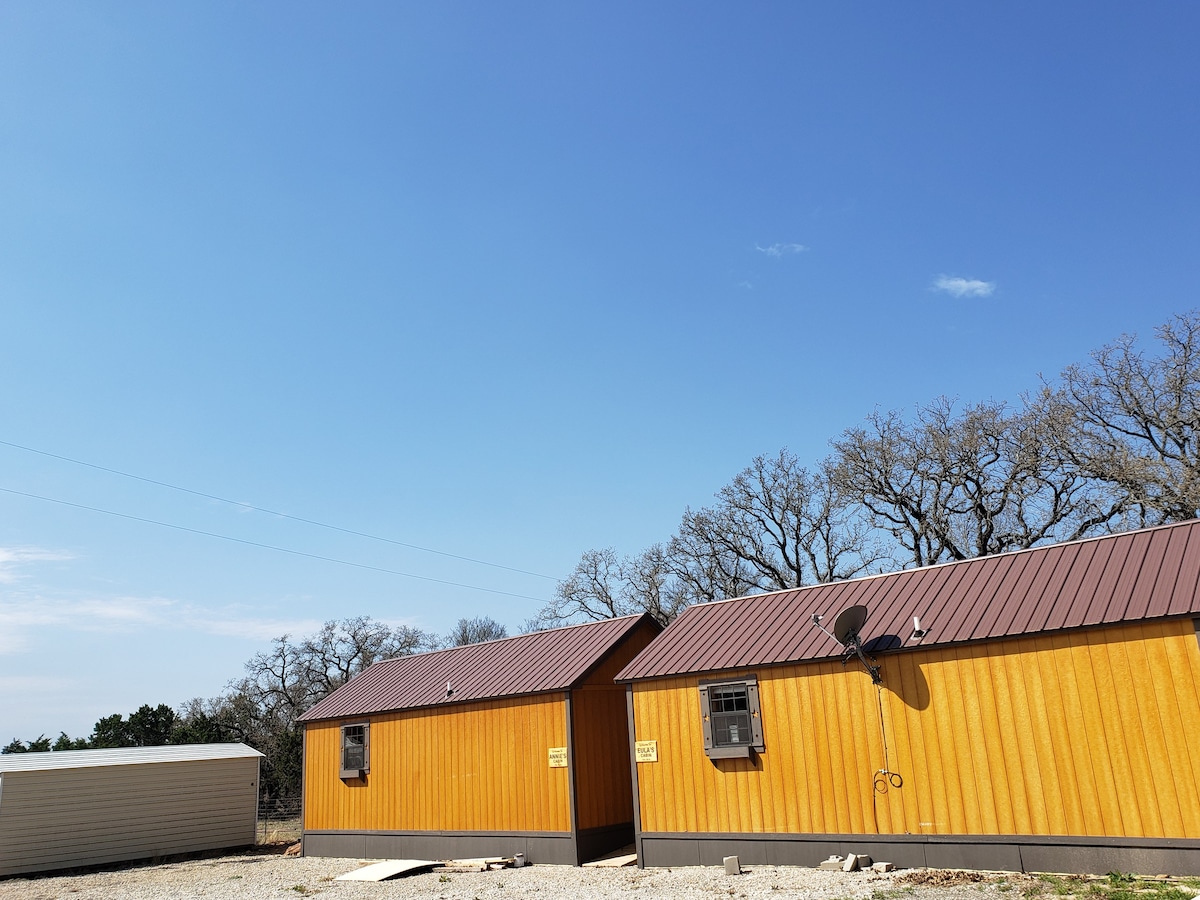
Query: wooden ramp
point(389, 868)
point(615, 860)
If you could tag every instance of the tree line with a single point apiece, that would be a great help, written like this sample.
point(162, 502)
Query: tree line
point(1108, 445)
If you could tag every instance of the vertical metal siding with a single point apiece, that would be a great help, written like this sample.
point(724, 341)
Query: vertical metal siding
point(1085, 733)
point(478, 766)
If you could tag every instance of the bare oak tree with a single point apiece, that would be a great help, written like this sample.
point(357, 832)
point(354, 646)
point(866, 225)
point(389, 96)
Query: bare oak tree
point(952, 485)
point(784, 526)
point(474, 631)
point(774, 526)
point(1136, 421)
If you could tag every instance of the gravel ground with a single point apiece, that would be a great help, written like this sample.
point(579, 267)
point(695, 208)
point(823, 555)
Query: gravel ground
point(257, 876)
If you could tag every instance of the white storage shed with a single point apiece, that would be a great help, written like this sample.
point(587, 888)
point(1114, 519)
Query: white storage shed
point(74, 808)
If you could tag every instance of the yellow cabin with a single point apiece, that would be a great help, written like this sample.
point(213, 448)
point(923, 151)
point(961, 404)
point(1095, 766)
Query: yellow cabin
point(511, 746)
point(1035, 711)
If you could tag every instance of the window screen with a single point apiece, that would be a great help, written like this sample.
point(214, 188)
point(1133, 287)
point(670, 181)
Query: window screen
point(355, 750)
point(729, 709)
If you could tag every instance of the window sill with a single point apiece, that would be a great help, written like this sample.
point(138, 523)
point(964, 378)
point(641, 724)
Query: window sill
point(353, 773)
point(739, 752)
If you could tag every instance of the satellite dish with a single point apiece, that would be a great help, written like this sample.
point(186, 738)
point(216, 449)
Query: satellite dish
point(849, 622)
point(845, 631)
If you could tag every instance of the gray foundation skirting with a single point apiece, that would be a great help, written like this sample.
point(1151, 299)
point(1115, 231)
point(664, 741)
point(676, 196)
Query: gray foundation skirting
point(1013, 853)
point(545, 847)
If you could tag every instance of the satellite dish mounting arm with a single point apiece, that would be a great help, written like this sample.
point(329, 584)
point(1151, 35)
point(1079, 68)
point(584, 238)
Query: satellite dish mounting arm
point(853, 646)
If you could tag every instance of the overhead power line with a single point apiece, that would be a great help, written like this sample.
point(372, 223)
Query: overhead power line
point(272, 512)
point(225, 537)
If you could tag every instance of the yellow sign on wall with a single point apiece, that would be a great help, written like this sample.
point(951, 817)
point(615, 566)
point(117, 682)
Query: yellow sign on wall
point(558, 757)
point(646, 751)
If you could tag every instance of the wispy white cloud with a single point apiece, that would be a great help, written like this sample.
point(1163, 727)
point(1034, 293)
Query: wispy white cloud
point(781, 249)
point(12, 558)
point(257, 629)
point(22, 615)
point(27, 609)
point(963, 287)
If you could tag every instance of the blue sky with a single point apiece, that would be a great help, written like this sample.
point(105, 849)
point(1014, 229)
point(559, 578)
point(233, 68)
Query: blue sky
point(512, 281)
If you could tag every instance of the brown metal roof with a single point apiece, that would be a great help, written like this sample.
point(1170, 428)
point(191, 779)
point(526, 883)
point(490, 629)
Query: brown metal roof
point(535, 663)
point(1136, 575)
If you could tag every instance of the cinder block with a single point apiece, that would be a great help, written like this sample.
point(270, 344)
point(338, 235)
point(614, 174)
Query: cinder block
point(732, 866)
point(882, 867)
point(851, 863)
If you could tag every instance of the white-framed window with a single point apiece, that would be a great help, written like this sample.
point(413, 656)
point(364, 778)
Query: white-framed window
point(356, 750)
point(731, 717)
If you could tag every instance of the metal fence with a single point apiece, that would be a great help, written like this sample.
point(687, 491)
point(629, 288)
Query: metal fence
point(279, 820)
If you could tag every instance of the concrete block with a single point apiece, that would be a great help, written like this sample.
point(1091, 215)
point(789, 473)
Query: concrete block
point(882, 867)
point(851, 863)
point(833, 864)
point(732, 866)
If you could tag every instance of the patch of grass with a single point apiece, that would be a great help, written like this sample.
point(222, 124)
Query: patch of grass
point(1113, 886)
point(443, 879)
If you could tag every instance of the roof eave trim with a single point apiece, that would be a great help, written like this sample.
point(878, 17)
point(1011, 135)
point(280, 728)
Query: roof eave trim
point(933, 645)
point(304, 720)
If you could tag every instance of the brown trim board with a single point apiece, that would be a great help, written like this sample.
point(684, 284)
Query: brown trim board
point(572, 785)
point(637, 793)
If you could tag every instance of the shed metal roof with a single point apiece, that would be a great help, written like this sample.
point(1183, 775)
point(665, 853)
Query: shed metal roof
point(122, 756)
point(536, 663)
point(1146, 574)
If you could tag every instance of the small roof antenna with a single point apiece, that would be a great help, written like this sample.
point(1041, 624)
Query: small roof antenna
point(846, 629)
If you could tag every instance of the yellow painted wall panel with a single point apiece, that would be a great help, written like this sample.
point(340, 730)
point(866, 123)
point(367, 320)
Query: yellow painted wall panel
point(482, 767)
point(999, 808)
point(1073, 733)
point(1038, 771)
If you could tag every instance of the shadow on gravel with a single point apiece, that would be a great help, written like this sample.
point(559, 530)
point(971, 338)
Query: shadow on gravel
point(247, 854)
